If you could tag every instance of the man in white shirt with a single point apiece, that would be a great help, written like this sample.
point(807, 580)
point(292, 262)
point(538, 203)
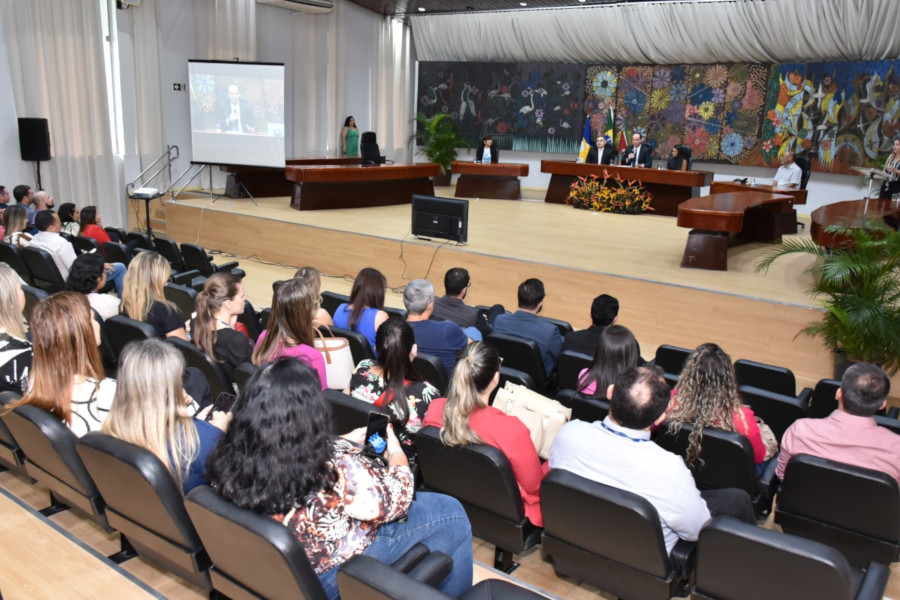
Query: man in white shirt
point(618, 452)
point(638, 155)
point(788, 175)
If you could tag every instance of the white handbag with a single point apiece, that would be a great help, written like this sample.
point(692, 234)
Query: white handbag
point(542, 416)
point(338, 359)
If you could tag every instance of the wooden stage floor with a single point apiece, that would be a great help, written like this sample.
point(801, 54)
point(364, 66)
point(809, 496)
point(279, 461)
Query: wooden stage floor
point(577, 254)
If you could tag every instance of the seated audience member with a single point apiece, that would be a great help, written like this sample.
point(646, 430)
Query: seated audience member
point(618, 452)
point(144, 298)
point(42, 201)
point(465, 417)
point(290, 330)
point(90, 225)
point(280, 457)
point(218, 306)
point(4, 196)
point(15, 222)
point(604, 310)
point(2, 227)
point(487, 152)
point(151, 408)
point(312, 277)
point(15, 349)
point(67, 377)
point(679, 159)
point(63, 253)
point(442, 339)
point(68, 216)
point(452, 307)
point(88, 276)
point(525, 323)
point(364, 311)
point(707, 396)
point(602, 153)
point(616, 351)
point(788, 175)
point(392, 382)
point(849, 434)
point(24, 195)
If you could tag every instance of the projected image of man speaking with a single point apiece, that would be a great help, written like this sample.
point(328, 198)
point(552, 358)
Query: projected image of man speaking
point(236, 114)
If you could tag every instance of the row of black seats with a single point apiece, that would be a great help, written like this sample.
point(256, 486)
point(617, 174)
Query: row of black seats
point(225, 550)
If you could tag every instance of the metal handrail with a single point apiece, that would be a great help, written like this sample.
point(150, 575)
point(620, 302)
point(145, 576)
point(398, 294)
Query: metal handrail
point(169, 158)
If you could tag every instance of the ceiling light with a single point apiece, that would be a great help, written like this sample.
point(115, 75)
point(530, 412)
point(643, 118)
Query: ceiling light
point(421, 9)
point(523, 4)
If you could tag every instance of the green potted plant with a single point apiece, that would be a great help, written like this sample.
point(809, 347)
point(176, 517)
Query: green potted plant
point(858, 285)
point(439, 139)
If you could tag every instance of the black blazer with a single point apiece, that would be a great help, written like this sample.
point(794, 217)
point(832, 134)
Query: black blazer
point(609, 156)
point(495, 154)
point(645, 158)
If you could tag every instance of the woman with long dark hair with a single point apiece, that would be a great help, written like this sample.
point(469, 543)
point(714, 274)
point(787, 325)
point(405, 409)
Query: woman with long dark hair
point(391, 381)
point(90, 225)
point(617, 350)
point(465, 417)
point(280, 457)
point(350, 138)
point(68, 216)
point(364, 313)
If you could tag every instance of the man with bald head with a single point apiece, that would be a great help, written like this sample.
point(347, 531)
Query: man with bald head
point(789, 174)
point(42, 201)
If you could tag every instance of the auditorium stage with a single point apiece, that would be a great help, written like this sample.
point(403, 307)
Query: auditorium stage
point(576, 253)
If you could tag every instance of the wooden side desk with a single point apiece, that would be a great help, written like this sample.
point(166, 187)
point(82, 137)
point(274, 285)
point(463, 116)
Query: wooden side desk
point(853, 213)
point(322, 187)
point(266, 182)
point(718, 219)
point(716, 187)
point(669, 188)
point(498, 181)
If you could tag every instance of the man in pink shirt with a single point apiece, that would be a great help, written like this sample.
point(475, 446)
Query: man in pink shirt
point(849, 434)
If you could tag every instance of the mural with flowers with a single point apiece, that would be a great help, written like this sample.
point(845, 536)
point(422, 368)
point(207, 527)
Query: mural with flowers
point(529, 107)
point(840, 114)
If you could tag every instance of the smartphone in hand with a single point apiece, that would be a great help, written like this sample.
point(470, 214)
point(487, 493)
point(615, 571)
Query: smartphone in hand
point(223, 403)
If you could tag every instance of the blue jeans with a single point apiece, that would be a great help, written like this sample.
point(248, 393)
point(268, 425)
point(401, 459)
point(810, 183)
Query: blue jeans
point(436, 520)
point(117, 277)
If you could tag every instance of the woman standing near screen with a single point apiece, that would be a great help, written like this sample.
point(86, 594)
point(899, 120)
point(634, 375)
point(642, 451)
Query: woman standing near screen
point(350, 138)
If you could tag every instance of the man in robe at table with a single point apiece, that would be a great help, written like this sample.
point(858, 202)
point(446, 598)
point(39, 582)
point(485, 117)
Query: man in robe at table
point(236, 114)
point(850, 434)
point(788, 175)
point(602, 153)
point(525, 323)
point(442, 339)
point(618, 452)
point(487, 152)
point(639, 155)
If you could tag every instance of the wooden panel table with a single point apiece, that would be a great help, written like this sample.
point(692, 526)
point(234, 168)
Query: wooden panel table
point(669, 188)
point(321, 187)
point(718, 219)
point(716, 187)
point(853, 213)
point(266, 182)
point(498, 181)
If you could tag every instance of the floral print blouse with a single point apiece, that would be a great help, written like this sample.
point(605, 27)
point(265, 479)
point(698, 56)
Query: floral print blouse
point(334, 525)
point(366, 385)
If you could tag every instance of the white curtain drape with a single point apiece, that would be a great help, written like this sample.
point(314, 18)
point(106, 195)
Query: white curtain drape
point(57, 65)
point(393, 87)
point(149, 134)
point(226, 29)
point(668, 33)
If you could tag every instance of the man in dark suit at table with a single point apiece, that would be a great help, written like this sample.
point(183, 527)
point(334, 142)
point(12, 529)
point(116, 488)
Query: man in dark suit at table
point(639, 155)
point(488, 152)
point(526, 323)
point(236, 114)
point(602, 153)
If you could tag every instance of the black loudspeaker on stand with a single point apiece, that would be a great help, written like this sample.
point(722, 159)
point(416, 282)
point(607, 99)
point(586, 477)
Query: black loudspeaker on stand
point(34, 142)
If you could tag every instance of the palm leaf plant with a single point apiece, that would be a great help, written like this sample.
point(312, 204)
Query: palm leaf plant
point(858, 285)
point(439, 139)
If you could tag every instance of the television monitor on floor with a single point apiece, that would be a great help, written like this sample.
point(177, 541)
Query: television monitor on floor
point(443, 218)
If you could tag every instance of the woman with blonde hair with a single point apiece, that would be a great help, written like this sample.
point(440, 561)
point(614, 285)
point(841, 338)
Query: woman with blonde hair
point(466, 418)
point(312, 277)
point(151, 410)
point(143, 298)
point(290, 331)
point(15, 222)
point(15, 349)
point(67, 376)
point(218, 307)
point(707, 396)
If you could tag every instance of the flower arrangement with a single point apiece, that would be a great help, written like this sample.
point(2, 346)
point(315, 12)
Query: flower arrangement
point(610, 194)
